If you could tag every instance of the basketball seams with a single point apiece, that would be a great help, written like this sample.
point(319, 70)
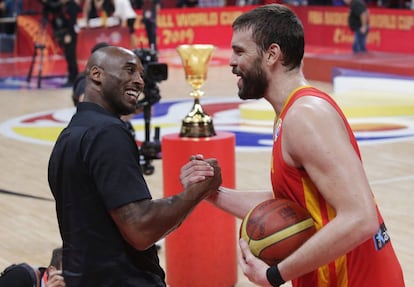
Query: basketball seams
point(257, 246)
point(275, 228)
point(289, 215)
point(247, 219)
point(265, 215)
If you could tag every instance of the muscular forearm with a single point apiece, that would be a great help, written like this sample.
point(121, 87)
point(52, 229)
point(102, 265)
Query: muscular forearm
point(238, 203)
point(145, 222)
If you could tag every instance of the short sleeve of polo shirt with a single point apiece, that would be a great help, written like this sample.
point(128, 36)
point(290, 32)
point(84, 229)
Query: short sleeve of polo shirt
point(112, 158)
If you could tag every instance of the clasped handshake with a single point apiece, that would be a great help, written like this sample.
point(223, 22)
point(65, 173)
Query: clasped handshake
point(201, 177)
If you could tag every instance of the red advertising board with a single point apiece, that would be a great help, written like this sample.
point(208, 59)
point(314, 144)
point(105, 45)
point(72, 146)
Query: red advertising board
point(194, 26)
point(392, 30)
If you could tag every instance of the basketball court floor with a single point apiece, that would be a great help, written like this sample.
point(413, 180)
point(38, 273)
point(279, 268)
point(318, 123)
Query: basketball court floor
point(30, 119)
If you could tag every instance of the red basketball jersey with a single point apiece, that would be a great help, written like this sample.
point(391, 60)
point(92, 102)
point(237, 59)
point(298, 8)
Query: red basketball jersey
point(374, 262)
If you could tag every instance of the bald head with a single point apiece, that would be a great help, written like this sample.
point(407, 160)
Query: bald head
point(109, 55)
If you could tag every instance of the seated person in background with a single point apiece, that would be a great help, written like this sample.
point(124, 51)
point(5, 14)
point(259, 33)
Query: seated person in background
point(25, 275)
point(125, 12)
point(93, 8)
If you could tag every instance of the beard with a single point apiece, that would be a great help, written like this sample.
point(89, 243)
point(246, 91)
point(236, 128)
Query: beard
point(254, 82)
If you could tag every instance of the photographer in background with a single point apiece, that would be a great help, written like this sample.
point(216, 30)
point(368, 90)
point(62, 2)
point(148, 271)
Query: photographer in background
point(25, 275)
point(63, 16)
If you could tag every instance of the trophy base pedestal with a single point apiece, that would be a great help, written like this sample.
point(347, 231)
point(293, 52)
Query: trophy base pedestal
point(203, 251)
point(197, 130)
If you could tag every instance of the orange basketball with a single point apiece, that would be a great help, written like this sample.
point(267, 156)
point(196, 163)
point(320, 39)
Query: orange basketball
point(275, 228)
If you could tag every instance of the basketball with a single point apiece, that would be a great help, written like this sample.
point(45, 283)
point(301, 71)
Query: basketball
point(275, 228)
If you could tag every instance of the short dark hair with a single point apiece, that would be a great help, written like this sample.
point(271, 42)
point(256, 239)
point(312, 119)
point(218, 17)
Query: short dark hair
point(275, 23)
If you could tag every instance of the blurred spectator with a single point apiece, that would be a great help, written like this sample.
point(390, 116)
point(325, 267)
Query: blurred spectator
point(320, 2)
point(126, 13)
point(358, 22)
point(248, 2)
point(150, 10)
point(211, 3)
point(9, 9)
point(187, 3)
point(2, 8)
point(401, 4)
point(338, 3)
point(65, 30)
point(93, 9)
point(108, 7)
point(25, 275)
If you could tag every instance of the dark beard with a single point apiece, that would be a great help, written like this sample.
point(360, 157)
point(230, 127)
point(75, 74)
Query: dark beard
point(255, 82)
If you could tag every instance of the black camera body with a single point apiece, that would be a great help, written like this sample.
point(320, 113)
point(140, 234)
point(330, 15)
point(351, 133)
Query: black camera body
point(154, 72)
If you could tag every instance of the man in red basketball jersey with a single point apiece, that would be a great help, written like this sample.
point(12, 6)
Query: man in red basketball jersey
point(315, 162)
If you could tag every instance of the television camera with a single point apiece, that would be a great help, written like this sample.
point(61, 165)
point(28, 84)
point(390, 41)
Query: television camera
point(154, 72)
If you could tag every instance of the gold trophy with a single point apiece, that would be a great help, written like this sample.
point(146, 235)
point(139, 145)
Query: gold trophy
point(195, 59)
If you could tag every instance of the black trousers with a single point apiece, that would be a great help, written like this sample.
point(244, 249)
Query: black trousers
point(151, 29)
point(71, 58)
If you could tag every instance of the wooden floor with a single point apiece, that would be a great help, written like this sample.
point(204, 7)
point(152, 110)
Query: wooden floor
point(28, 224)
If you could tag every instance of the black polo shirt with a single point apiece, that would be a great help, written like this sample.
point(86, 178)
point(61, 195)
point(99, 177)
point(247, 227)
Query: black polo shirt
point(94, 167)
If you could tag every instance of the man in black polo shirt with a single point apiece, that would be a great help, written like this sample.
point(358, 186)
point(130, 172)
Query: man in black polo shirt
point(107, 218)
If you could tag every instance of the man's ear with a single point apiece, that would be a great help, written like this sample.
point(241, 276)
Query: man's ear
point(273, 54)
point(96, 73)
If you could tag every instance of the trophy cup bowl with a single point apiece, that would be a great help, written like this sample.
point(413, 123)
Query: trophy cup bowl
point(195, 59)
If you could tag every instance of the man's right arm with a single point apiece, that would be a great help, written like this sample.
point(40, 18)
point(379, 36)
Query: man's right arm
point(235, 202)
point(144, 222)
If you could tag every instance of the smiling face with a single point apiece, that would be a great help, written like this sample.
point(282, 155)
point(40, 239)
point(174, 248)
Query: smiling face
point(121, 81)
point(246, 62)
